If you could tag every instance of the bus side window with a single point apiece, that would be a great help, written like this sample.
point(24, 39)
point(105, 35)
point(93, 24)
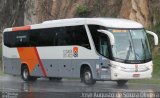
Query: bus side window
point(16, 39)
point(80, 37)
point(61, 40)
point(72, 35)
point(42, 37)
point(61, 37)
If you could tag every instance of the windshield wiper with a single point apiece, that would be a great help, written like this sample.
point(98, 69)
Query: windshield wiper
point(129, 50)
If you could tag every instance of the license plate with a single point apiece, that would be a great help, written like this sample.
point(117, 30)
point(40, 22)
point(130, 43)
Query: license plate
point(136, 75)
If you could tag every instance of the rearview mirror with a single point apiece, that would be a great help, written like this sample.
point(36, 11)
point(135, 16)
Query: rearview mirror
point(155, 37)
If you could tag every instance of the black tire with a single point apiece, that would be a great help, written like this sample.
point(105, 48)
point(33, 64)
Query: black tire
point(122, 82)
point(87, 77)
point(55, 78)
point(26, 76)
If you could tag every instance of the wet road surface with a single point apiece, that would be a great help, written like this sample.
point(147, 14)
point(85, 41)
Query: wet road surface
point(14, 87)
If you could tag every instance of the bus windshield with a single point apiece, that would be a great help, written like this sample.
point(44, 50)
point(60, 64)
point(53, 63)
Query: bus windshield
point(131, 45)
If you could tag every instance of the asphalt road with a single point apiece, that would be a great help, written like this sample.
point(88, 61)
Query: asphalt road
point(14, 87)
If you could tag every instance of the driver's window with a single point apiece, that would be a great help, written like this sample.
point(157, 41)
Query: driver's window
point(103, 45)
point(101, 41)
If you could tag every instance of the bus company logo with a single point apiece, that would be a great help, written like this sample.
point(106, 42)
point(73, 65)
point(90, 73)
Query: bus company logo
point(75, 51)
point(70, 53)
point(67, 53)
point(136, 68)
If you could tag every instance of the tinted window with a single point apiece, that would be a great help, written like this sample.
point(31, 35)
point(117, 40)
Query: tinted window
point(78, 36)
point(61, 36)
point(12, 39)
point(41, 37)
point(73, 35)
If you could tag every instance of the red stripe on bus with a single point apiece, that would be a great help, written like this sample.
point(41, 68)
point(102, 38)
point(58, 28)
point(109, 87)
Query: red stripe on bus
point(40, 62)
point(21, 28)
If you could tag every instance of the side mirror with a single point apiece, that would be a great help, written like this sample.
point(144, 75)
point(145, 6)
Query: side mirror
point(110, 35)
point(155, 37)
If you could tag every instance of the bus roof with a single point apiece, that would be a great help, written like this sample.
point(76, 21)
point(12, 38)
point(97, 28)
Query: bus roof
point(107, 22)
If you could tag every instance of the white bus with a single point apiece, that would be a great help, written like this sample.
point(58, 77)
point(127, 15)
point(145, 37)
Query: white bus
point(92, 49)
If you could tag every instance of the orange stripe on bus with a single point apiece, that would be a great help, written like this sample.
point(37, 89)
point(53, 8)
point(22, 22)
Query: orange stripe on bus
point(21, 28)
point(28, 56)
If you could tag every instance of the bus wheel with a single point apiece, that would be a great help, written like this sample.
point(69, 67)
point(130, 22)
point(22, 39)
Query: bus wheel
point(26, 76)
point(122, 82)
point(87, 77)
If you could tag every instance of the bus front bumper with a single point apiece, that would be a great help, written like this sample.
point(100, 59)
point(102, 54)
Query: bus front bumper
point(117, 74)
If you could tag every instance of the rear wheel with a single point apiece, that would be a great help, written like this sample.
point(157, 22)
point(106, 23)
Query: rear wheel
point(26, 76)
point(122, 82)
point(87, 77)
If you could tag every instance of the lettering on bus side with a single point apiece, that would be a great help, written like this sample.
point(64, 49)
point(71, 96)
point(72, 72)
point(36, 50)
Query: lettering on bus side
point(71, 53)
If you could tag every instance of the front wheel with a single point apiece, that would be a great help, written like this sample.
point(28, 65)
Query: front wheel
point(87, 77)
point(122, 82)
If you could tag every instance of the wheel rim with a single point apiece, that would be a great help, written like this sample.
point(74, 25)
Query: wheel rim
point(87, 76)
point(25, 73)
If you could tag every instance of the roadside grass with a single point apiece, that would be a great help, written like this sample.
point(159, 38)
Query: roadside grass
point(156, 70)
point(156, 73)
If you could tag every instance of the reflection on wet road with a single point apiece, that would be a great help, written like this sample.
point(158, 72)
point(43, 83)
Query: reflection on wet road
point(72, 88)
